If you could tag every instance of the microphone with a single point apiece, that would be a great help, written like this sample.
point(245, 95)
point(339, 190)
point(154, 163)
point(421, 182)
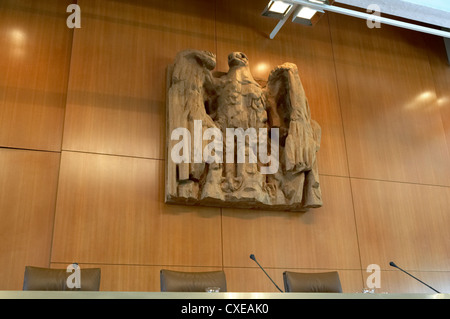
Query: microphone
point(254, 259)
point(395, 266)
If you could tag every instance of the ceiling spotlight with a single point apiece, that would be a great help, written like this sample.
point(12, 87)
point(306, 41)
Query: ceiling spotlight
point(307, 16)
point(276, 9)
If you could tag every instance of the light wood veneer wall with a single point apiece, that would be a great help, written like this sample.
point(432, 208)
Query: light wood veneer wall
point(82, 123)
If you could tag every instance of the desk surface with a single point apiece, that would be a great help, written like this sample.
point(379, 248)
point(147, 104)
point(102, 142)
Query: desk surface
point(12, 294)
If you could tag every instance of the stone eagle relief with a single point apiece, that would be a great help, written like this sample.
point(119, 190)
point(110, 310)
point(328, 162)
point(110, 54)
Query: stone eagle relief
point(236, 142)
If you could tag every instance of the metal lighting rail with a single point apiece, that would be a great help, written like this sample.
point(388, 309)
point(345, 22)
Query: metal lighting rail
point(357, 14)
point(282, 21)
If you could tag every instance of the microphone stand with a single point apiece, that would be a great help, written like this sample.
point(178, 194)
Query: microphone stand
point(254, 259)
point(394, 265)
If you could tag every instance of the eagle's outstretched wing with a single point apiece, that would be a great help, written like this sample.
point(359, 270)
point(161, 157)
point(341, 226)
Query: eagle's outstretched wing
point(190, 79)
point(300, 136)
point(188, 82)
point(289, 109)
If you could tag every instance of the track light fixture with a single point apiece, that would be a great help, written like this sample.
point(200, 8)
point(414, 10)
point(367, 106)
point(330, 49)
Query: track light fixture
point(307, 16)
point(276, 9)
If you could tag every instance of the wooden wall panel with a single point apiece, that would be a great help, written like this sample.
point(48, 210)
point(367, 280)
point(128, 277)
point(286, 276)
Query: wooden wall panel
point(34, 62)
point(380, 96)
point(441, 74)
point(392, 126)
point(116, 96)
point(404, 223)
point(240, 27)
point(321, 238)
point(110, 209)
point(28, 184)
